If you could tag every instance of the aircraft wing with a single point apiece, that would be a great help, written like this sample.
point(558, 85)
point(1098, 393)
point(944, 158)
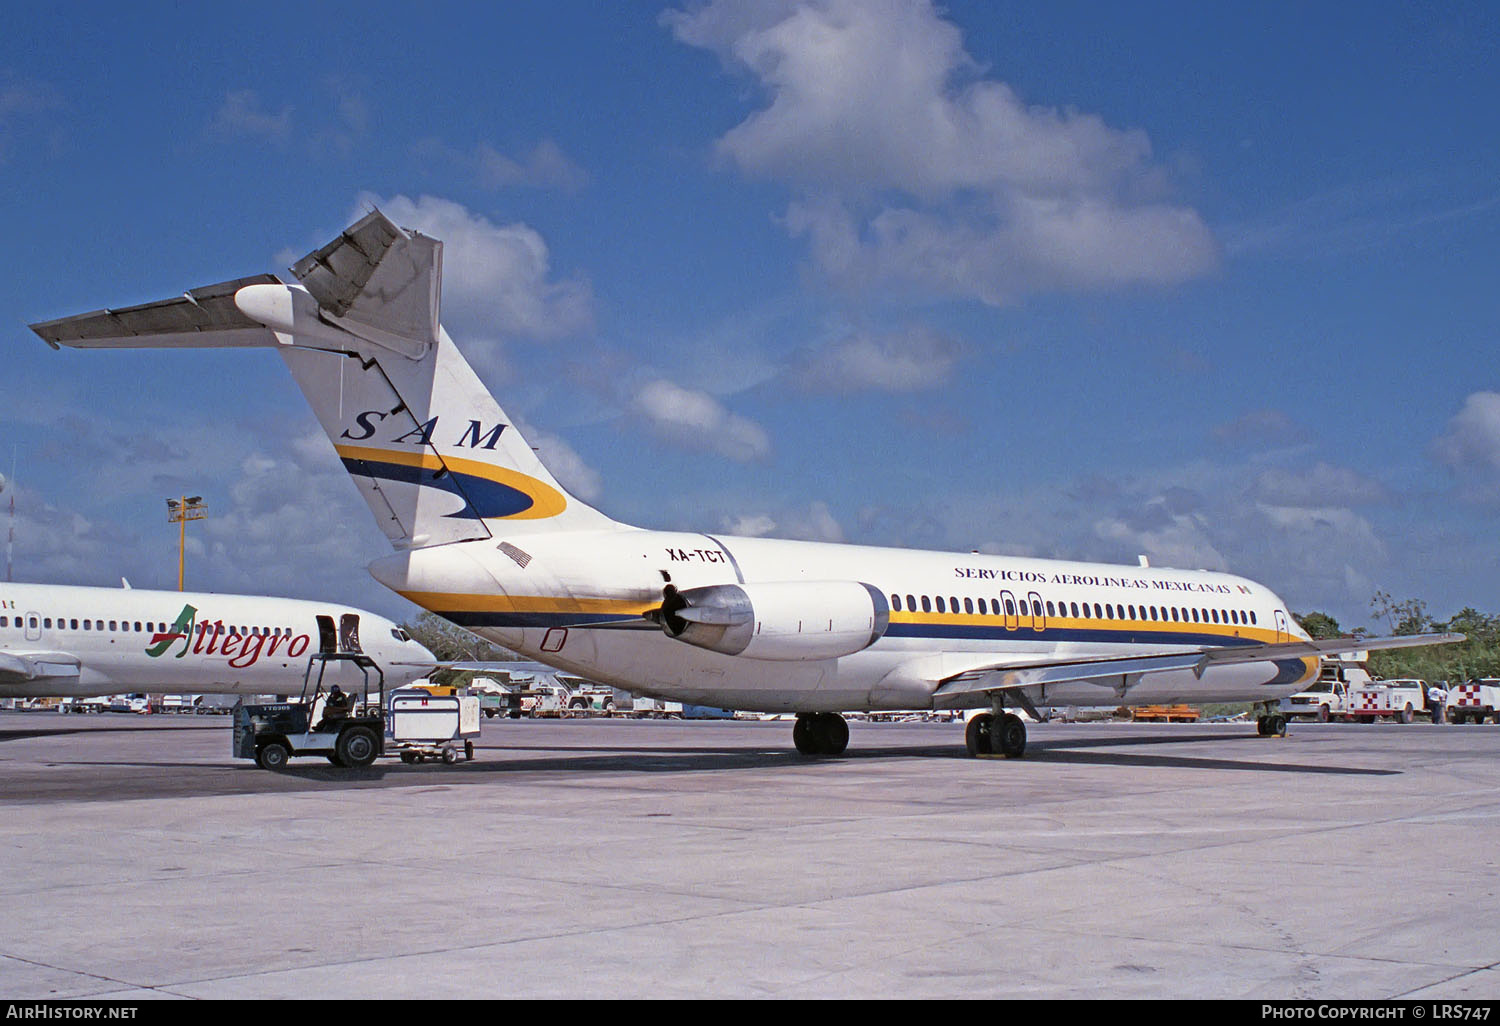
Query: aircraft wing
point(1002, 676)
point(201, 317)
point(35, 667)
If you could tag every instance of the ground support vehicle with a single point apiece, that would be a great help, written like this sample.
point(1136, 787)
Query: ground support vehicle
point(425, 726)
point(1399, 700)
point(98, 703)
point(1165, 714)
point(272, 734)
point(1327, 699)
point(1472, 702)
point(642, 708)
point(592, 699)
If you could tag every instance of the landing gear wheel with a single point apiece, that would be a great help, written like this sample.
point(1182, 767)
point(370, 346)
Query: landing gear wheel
point(272, 756)
point(1011, 736)
point(357, 747)
point(820, 734)
point(978, 735)
point(802, 736)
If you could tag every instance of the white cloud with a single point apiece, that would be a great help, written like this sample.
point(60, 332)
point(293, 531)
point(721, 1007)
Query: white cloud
point(241, 114)
point(1319, 485)
point(692, 419)
point(1473, 438)
point(912, 169)
point(576, 476)
point(497, 279)
point(815, 523)
point(903, 361)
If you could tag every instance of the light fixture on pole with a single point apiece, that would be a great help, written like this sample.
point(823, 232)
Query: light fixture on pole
point(179, 512)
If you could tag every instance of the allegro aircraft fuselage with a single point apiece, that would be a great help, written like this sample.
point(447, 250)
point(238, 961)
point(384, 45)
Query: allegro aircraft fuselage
point(63, 640)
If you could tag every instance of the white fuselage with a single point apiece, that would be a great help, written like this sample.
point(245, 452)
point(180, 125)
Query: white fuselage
point(125, 640)
point(575, 599)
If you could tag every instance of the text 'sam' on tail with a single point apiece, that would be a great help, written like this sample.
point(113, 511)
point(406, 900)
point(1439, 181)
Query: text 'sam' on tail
point(430, 450)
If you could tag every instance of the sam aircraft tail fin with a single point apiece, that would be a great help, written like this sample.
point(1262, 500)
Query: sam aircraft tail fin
point(430, 450)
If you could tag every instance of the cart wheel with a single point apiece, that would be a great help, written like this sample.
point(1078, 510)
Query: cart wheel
point(450, 756)
point(272, 755)
point(408, 757)
point(357, 747)
point(418, 757)
point(468, 751)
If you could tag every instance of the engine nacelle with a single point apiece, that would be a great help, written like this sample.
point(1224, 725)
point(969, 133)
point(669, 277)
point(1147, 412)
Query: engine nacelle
point(791, 620)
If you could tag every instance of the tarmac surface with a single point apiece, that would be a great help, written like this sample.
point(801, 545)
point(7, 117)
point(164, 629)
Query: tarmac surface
point(609, 858)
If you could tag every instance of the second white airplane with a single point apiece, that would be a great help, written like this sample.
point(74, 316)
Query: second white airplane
point(62, 640)
point(486, 537)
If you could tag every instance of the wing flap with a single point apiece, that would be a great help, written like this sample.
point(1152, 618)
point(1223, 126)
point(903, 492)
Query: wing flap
point(1104, 671)
point(1007, 675)
point(30, 667)
point(205, 316)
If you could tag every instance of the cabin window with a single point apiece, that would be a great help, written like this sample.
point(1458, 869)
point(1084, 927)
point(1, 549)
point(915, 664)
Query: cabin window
point(4, 621)
point(1215, 614)
point(33, 623)
point(47, 623)
point(1050, 608)
point(953, 603)
point(1252, 617)
point(984, 607)
point(941, 605)
point(895, 603)
point(926, 604)
point(1010, 607)
point(1132, 612)
point(74, 624)
point(911, 603)
point(968, 605)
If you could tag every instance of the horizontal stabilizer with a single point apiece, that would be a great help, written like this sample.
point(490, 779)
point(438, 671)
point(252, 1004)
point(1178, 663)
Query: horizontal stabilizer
point(378, 278)
point(201, 317)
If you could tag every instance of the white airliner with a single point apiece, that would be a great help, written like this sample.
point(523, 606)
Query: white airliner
point(486, 537)
point(58, 640)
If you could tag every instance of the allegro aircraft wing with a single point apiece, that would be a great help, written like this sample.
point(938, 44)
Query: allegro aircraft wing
point(30, 667)
point(1010, 675)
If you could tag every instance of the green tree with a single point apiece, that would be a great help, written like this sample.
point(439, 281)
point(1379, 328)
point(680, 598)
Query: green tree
point(1318, 625)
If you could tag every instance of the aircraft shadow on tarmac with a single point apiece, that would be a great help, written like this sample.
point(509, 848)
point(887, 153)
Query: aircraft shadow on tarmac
point(534, 758)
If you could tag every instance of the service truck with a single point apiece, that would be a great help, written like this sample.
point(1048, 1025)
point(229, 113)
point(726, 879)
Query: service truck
point(1472, 702)
point(1328, 697)
point(1400, 700)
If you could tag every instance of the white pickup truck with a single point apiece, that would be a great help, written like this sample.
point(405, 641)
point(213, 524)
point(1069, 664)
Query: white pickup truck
point(1328, 698)
point(1399, 700)
point(1472, 702)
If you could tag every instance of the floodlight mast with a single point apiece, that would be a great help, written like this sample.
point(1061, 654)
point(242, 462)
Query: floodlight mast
point(179, 512)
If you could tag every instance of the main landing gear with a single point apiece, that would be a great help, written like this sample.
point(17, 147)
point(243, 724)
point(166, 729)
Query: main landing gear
point(989, 734)
point(820, 734)
point(1273, 725)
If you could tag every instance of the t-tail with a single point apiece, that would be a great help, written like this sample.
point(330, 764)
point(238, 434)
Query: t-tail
point(430, 450)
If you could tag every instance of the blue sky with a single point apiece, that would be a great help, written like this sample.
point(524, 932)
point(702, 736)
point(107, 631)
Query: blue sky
point(1212, 283)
